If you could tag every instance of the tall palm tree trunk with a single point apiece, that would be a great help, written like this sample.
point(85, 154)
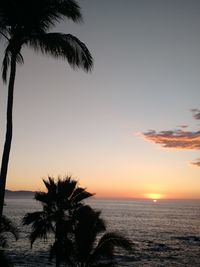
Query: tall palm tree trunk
point(8, 138)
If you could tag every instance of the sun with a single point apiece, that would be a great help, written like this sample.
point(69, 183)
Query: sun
point(154, 197)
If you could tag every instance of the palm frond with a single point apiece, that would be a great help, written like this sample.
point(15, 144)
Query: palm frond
point(50, 184)
point(107, 244)
point(6, 64)
point(7, 60)
point(3, 31)
point(30, 218)
point(29, 15)
point(42, 197)
point(80, 194)
point(66, 187)
point(41, 225)
point(48, 12)
point(68, 8)
point(65, 46)
point(50, 196)
point(37, 14)
point(47, 199)
point(19, 59)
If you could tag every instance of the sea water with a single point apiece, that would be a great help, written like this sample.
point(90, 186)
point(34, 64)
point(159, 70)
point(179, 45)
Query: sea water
point(165, 233)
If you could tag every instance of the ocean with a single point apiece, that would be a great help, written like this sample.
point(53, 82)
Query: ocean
point(165, 233)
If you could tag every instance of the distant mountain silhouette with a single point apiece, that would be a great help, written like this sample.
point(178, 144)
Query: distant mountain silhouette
point(19, 194)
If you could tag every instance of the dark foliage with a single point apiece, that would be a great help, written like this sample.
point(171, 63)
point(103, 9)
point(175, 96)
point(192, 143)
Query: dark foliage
point(93, 246)
point(6, 227)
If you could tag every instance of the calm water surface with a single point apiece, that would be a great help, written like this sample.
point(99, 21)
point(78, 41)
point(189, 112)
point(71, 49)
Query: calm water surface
point(166, 233)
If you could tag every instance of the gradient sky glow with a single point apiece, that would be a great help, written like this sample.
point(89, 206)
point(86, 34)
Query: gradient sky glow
point(146, 77)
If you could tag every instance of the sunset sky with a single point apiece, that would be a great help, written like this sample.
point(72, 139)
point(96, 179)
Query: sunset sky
point(131, 127)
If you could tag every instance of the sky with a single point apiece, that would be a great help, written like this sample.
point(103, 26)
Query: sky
point(128, 129)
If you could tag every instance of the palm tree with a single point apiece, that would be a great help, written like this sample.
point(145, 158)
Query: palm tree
point(92, 246)
point(6, 226)
point(59, 202)
point(27, 23)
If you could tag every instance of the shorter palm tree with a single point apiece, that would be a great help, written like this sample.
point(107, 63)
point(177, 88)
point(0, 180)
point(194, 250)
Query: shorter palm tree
point(59, 202)
point(93, 246)
point(6, 226)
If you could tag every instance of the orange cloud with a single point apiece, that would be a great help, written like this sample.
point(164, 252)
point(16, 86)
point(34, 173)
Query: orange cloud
point(177, 139)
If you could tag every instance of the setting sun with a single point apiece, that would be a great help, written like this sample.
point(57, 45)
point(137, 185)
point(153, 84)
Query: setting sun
point(155, 197)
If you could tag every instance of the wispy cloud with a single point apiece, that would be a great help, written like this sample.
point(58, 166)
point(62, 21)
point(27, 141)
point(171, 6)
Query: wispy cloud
point(179, 139)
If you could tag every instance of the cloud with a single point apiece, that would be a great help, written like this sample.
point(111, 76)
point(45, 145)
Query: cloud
point(196, 113)
point(177, 139)
point(196, 163)
point(183, 126)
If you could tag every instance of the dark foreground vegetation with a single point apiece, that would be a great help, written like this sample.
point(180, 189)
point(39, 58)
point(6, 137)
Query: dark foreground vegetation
point(79, 233)
point(6, 226)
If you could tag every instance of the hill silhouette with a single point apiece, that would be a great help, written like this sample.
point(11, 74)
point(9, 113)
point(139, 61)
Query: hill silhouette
point(19, 193)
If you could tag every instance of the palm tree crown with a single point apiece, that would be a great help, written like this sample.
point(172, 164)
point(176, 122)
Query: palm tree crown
point(58, 204)
point(26, 23)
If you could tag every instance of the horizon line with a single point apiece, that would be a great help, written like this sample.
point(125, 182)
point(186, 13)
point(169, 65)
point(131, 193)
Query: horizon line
point(111, 197)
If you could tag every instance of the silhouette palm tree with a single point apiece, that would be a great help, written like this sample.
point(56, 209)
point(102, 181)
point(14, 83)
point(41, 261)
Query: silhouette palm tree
point(92, 246)
point(59, 202)
point(6, 226)
point(27, 23)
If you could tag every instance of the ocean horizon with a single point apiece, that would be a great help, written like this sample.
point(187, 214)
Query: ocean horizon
point(30, 194)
